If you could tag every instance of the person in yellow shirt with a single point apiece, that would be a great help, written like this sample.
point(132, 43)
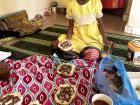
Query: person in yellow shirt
point(86, 29)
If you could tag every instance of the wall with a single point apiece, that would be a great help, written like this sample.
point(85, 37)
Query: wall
point(133, 24)
point(127, 10)
point(31, 6)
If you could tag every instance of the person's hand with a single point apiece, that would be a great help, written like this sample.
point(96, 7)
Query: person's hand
point(110, 43)
point(68, 37)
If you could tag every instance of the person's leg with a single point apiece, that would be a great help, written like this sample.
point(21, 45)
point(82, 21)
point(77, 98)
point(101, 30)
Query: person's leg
point(70, 55)
point(55, 49)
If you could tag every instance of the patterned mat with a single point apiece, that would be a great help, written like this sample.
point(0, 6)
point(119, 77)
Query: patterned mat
point(40, 42)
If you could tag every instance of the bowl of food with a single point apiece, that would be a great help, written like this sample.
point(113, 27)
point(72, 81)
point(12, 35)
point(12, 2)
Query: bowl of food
point(101, 99)
point(65, 94)
point(65, 45)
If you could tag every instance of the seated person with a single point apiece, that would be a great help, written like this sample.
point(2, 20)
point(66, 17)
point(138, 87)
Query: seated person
point(86, 29)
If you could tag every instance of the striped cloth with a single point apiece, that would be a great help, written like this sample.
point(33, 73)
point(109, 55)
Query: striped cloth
point(40, 42)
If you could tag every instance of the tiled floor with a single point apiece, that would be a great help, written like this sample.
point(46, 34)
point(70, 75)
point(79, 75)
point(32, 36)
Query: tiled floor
point(112, 24)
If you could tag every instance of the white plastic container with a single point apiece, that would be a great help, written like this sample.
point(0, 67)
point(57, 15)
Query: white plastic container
point(134, 51)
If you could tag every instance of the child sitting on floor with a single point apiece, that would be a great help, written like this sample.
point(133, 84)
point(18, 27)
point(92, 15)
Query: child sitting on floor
point(86, 30)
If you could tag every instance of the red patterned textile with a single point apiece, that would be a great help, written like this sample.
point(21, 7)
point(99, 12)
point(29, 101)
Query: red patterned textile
point(36, 78)
point(91, 54)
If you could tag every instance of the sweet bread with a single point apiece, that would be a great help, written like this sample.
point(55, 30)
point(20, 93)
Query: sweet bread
point(14, 98)
point(66, 69)
point(65, 45)
point(65, 94)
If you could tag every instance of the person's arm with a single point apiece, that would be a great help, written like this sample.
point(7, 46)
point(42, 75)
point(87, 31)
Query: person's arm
point(102, 31)
point(70, 29)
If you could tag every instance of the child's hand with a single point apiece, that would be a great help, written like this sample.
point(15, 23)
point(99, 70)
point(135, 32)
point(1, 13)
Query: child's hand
point(108, 43)
point(68, 37)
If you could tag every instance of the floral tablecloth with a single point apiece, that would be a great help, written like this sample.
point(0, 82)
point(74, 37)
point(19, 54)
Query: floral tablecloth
point(35, 78)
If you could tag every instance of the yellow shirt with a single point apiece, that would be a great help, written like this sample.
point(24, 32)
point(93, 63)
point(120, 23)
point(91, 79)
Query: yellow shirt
point(85, 31)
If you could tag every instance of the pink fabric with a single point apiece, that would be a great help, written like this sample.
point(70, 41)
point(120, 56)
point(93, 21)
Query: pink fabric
point(91, 54)
point(36, 78)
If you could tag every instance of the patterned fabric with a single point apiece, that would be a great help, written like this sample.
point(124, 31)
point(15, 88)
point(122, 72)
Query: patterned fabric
point(91, 54)
point(36, 78)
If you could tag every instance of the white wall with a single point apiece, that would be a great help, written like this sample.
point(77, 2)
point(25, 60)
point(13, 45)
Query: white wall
point(127, 10)
point(31, 6)
point(133, 24)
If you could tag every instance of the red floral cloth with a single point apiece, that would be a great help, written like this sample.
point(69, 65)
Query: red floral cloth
point(36, 78)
